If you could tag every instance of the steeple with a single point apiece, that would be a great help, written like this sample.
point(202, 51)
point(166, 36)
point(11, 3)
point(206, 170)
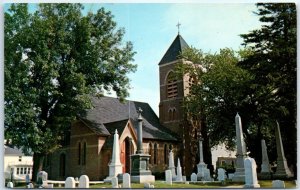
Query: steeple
point(174, 50)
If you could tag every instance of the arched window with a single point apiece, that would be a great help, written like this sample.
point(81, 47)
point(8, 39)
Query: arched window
point(155, 153)
point(84, 154)
point(171, 85)
point(79, 153)
point(174, 114)
point(150, 153)
point(170, 114)
point(166, 154)
point(62, 165)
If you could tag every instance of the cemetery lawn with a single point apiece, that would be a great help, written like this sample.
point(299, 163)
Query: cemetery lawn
point(162, 184)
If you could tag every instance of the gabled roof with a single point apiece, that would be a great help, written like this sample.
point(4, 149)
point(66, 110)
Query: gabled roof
point(174, 50)
point(98, 128)
point(114, 115)
point(12, 151)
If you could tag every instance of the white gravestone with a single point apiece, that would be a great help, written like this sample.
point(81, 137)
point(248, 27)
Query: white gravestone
point(172, 165)
point(184, 178)
point(115, 166)
point(179, 171)
point(250, 173)
point(207, 175)
point(126, 181)
point(239, 175)
point(230, 176)
point(147, 185)
point(50, 186)
point(84, 182)
point(70, 182)
point(114, 182)
point(278, 184)
point(30, 186)
point(221, 174)
point(10, 185)
point(42, 178)
point(194, 177)
point(168, 174)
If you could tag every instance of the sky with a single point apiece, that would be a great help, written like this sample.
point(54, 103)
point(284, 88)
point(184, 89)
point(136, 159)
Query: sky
point(152, 27)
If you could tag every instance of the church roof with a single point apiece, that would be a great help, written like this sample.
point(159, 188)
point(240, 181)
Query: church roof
point(174, 50)
point(113, 115)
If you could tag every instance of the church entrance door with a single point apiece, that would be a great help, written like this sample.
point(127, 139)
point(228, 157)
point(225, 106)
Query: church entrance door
point(125, 155)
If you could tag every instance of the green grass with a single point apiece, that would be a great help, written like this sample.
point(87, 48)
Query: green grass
point(161, 184)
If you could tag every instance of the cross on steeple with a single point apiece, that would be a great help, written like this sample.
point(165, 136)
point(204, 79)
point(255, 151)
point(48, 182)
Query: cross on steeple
point(178, 26)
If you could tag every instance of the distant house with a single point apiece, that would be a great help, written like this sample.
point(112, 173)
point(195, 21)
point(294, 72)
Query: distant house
point(16, 164)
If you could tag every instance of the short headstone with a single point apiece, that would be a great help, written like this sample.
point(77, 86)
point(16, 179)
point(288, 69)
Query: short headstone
point(10, 185)
point(147, 185)
point(207, 175)
point(84, 182)
point(42, 178)
point(70, 182)
point(76, 178)
point(114, 182)
point(168, 174)
point(30, 186)
point(184, 178)
point(278, 184)
point(50, 186)
point(194, 177)
point(250, 173)
point(126, 181)
point(151, 186)
point(221, 174)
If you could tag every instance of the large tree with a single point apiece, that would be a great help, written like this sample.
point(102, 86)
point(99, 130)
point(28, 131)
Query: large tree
point(273, 65)
point(216, 93)
point(55, 58)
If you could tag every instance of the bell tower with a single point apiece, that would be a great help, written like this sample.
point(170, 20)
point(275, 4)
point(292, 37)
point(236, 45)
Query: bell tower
point(172, 89)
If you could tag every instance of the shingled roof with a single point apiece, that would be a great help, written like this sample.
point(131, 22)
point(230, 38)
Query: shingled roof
point(174, 50)
point(112, 114)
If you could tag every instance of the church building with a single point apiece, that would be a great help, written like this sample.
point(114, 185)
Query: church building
point(87, 146)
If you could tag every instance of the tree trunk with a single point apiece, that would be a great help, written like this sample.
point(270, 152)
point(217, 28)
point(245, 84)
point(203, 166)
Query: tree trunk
point(38, 160)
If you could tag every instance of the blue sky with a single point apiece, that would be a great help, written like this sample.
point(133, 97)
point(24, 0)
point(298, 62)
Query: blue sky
point(151, 27)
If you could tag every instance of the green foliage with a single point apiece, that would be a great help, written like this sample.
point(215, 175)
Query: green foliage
point(273, 65)
point(218, 93)
point(55, 58)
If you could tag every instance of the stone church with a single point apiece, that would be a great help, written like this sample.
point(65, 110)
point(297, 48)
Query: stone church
point(87, 146)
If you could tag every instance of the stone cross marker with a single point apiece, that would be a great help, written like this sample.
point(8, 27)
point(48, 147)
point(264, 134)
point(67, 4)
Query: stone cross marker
point(126, 181)
point(194, 177)
point(70, 182)
point(250, 173)
point(239, 175)
point(84, 182)
point(168, 174)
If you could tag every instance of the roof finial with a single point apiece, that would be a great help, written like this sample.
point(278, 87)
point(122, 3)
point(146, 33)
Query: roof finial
point(178, 26)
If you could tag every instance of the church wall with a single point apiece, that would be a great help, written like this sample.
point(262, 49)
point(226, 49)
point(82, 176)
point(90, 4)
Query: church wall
point(161, 164)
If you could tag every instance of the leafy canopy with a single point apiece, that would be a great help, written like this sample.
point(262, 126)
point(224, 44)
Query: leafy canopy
point(55, 58)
